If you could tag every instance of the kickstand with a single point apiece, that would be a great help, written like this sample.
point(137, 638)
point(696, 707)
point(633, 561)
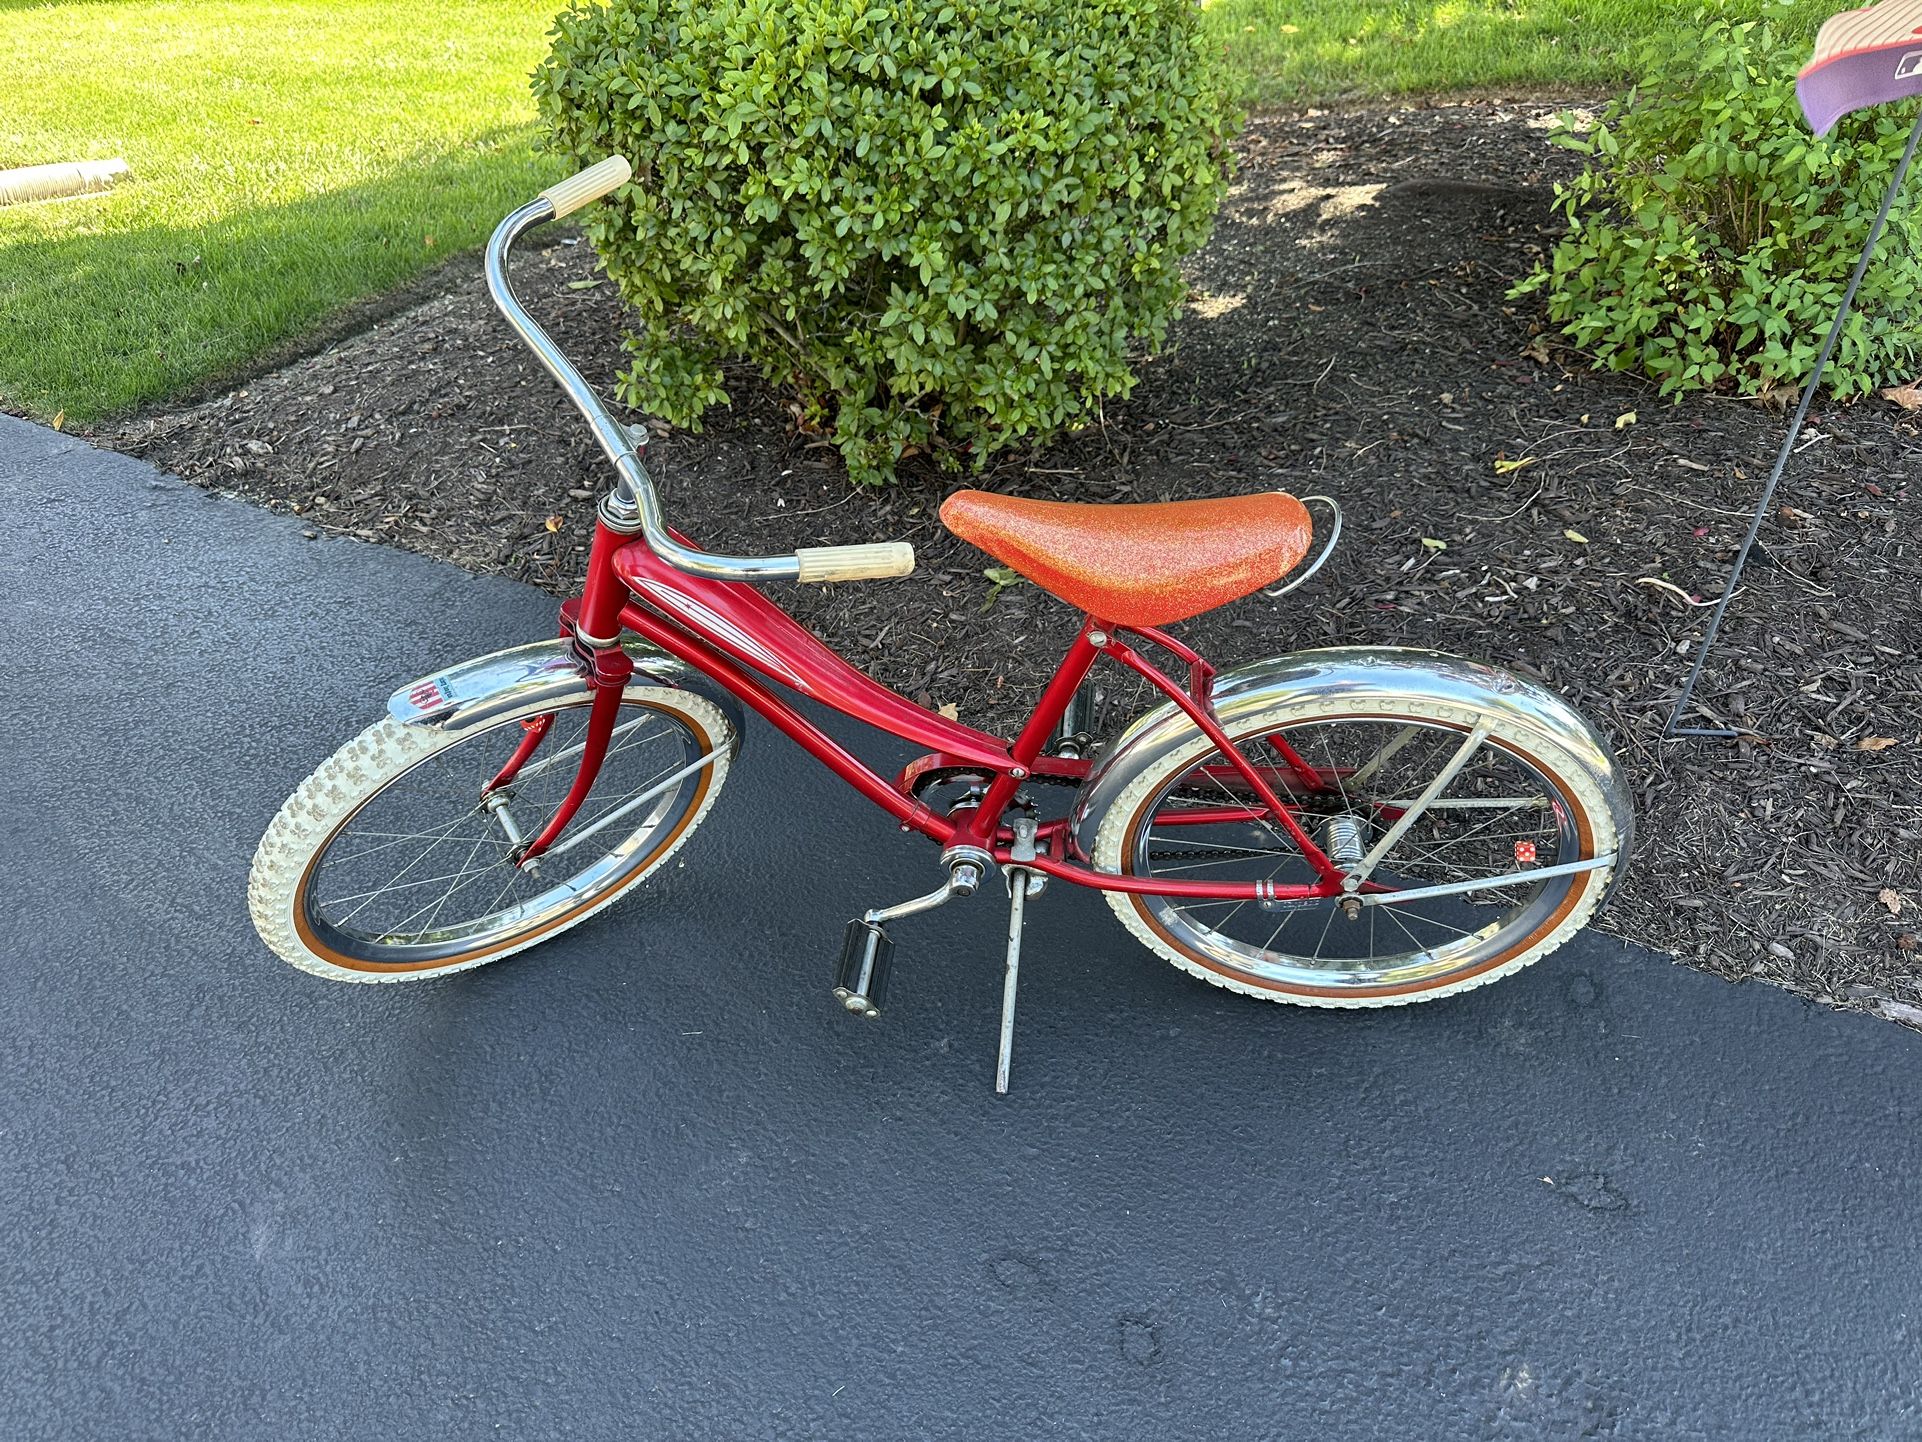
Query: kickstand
point(1021, 884)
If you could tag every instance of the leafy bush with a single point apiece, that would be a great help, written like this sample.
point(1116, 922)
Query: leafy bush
point(943, 222)
point(1711, 237)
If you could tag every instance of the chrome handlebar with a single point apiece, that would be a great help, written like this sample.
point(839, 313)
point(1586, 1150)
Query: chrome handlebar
point(634, 499)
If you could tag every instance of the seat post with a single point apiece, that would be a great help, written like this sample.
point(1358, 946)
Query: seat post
point(980, 828)
point(1060, 693)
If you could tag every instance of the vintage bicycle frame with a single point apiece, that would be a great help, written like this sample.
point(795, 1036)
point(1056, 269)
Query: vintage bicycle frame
point(734, 635)
point(643, 577)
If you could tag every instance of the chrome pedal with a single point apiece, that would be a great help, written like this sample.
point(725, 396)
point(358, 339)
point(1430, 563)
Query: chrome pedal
point(867, 957)
point(861, 980)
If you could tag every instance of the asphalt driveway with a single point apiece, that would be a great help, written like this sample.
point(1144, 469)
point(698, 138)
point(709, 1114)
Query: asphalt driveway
point(648, 1182)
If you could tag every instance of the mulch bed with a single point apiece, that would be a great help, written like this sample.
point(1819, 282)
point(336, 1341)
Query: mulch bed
point(1349, 334)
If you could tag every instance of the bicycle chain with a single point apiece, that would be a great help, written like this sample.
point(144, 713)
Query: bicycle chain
point(1209, 852)
point(959, 773)
point(1191, 793)
point(948, 774)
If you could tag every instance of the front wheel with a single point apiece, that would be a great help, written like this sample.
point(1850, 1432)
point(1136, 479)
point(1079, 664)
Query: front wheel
point(392, 862)
point(1348, 764)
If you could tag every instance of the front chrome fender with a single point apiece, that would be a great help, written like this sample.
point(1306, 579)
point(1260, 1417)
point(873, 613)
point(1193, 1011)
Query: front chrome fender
point(1413, 677)
point(475, 692)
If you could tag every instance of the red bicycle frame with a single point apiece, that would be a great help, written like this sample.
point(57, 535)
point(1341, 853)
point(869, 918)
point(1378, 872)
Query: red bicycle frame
point(728, 631)
point(731, 632)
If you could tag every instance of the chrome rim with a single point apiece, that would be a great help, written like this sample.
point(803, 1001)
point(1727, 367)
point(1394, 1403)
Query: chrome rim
point(1499, 814)
point(423, 870)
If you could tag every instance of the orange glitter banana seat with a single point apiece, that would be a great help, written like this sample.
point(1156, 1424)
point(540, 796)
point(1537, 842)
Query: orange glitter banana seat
point(1138, 565)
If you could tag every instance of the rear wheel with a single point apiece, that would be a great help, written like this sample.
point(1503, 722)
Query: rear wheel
point(1516, 802)
point(390, 863)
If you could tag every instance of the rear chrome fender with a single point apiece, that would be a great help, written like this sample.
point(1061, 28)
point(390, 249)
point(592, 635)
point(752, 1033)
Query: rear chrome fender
point(1414, 676)
point(474, 693)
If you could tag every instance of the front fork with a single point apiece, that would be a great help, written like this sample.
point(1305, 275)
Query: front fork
point(594, 622)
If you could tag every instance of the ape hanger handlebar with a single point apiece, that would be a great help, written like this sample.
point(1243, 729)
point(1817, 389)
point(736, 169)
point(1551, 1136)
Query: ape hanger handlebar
point(634, 500)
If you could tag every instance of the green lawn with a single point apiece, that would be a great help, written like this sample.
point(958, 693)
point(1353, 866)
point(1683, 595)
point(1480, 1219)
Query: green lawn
point(292, 156)
point(1292, 52)
point(288, 158)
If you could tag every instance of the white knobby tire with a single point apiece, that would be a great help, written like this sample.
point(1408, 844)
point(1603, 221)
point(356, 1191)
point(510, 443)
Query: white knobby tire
point(321, 809)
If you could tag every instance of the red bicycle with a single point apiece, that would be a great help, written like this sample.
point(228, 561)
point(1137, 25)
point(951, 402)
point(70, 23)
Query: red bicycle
point(1350, 827)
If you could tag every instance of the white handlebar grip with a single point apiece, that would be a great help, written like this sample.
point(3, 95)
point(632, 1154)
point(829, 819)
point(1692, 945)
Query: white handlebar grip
point(589, 186)
point(855, 563)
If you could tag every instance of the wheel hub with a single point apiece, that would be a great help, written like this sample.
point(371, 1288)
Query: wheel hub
point(1344, 839)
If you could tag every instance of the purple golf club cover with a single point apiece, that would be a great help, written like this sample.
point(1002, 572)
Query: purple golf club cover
point(1862, 57)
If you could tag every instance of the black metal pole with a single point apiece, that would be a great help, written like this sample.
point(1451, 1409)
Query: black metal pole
point(1675, 730)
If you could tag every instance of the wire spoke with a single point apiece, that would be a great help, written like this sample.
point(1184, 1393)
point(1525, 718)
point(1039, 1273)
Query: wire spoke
point(1322, 940)
point(1204, 846)
point(1424, 916)
point(548, 762)
point(581, 823)
point(365, 897)
point(1385, 755)
point(398, 885)
point(1341, 786)
point(1483, 827)
point(513, 878)
point(1485, 800)
point(404, 885)
point(1263, 820)
point(1273, 936)
point(1214, 861)
point(435, 836)
point(436, 905)
point(1395, 916)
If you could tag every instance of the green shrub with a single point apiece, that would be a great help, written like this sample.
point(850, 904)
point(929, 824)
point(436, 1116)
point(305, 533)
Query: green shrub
point(942, 222)
point(1711, 238)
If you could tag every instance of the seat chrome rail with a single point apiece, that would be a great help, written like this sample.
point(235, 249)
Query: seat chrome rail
point(1327, 548)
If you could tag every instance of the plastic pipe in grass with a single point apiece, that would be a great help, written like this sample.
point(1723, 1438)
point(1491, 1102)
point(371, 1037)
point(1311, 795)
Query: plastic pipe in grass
point(57, 182)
